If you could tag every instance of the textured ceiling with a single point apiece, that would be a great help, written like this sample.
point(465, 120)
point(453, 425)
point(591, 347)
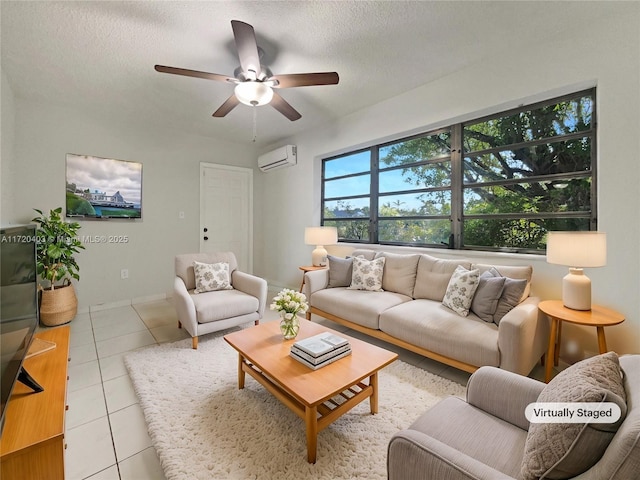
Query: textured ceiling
point(99, 56)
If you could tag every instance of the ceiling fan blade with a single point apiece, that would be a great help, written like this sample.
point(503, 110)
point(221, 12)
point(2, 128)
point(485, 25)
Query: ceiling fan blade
point(284, 108)
point(247, 47)
point(305, 79)
point(227, 106)
point(193, 73)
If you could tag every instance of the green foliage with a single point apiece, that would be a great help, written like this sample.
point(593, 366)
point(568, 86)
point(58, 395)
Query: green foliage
point(57, 242)
point(79, 206)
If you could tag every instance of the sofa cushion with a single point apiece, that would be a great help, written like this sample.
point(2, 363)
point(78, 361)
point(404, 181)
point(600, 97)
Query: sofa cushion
point(223, 304)
point(460, 290)
point(340, 271)
point(211, 277)
point(367, 274)
point(433, 276)
point(399, 272)
point(517, 272)
point(364, 253)
point(564, 450)
point(358, 306)
point(488, 293)
point(431, 325)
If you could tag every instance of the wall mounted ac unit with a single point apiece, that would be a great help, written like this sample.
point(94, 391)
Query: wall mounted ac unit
point(281, 157)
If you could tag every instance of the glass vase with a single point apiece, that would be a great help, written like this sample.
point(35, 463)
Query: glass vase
point(289, 327)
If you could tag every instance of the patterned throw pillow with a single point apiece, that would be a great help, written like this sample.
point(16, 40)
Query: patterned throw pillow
point(367, 274)
point(211, 277)
point(460, 290)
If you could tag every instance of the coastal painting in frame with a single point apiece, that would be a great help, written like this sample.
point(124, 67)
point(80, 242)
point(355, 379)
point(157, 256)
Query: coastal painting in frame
point(103, 187)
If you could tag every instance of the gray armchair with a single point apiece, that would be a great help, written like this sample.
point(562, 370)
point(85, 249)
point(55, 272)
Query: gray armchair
point(484, 437)
point(212, 311)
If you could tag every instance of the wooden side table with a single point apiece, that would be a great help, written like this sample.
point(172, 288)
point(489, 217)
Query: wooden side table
point(308, 268)
point(598, 317)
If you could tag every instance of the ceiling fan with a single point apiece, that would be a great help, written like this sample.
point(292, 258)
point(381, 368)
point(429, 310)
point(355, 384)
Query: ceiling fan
point(255, 82)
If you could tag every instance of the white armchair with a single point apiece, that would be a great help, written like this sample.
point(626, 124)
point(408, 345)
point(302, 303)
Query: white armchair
point(208, 312)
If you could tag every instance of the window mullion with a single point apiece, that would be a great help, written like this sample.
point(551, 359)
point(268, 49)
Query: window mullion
point(456, 185)
point(374, 194)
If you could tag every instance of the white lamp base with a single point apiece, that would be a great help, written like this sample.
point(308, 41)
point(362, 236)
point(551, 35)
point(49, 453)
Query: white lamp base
point(319, 257)
point(576, 290)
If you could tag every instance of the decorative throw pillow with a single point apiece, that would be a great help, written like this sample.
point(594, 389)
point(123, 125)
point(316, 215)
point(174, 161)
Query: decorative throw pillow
point(488, 293)
point(511, 295)
point(460, 290)
point(564, 450)
point(211, 277)
point(367, 274)
point(340, 271)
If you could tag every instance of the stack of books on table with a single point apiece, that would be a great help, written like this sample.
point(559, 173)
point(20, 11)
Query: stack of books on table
point(320, 350)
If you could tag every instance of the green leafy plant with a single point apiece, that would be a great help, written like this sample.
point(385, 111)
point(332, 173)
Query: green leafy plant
point(57, 243)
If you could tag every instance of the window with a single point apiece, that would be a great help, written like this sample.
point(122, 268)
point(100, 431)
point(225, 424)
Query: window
point(495, 183)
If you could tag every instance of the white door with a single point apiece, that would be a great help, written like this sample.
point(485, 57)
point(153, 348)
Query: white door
point(226, 212)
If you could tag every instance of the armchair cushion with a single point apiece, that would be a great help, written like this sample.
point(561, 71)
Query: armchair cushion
point(470, 432)
point(563, 450)
point(223, 304)
point(211, 277)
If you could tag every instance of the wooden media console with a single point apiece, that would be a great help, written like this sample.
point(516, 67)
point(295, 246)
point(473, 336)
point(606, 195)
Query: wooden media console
point(32, 443)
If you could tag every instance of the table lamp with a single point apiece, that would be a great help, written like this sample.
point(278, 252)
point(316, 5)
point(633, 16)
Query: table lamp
point(577, 250)
point(320, 236)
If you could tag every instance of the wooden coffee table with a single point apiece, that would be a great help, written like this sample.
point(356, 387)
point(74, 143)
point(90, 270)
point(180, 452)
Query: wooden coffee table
point(264, 355)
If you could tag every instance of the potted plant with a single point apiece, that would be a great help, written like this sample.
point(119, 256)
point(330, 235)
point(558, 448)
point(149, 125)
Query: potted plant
point(57, 243)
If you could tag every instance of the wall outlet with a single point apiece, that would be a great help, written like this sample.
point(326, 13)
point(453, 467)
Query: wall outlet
point(124, 273)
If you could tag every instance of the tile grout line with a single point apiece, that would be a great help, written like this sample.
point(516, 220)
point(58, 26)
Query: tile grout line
point(106, 406)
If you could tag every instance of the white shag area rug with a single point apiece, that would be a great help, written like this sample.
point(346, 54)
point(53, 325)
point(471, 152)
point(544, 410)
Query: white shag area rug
point(203, 427)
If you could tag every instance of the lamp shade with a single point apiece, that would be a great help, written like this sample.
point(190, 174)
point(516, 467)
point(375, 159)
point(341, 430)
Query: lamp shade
point(321, 235)
point(577, 249)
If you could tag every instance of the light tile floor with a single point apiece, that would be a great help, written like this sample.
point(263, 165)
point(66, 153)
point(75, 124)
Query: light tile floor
point(106, 434)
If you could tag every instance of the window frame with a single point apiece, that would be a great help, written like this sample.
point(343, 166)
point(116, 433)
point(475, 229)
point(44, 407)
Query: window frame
point(457, 186)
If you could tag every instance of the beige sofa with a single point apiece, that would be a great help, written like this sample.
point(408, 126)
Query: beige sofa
point(409, 313)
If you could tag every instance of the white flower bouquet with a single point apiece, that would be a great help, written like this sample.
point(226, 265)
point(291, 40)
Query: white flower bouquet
point(289, 303)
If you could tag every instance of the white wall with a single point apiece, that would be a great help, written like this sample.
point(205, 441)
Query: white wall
point(7, 123)
point(45, 133)
point(606, 54)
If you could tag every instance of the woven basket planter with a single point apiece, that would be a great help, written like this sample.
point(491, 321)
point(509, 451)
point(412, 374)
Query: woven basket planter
point(58, 306)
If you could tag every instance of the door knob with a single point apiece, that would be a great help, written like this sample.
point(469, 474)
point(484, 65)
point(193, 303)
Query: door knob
point(205, 230)
point(206, 238)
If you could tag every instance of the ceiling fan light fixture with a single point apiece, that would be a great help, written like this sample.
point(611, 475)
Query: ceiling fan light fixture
point(253, 93)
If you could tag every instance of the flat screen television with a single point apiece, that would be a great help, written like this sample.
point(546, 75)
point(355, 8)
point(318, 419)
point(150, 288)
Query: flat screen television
point(103, 187)
point(18, 307)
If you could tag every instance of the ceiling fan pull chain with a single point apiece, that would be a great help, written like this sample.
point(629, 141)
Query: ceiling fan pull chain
point(255, 123)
